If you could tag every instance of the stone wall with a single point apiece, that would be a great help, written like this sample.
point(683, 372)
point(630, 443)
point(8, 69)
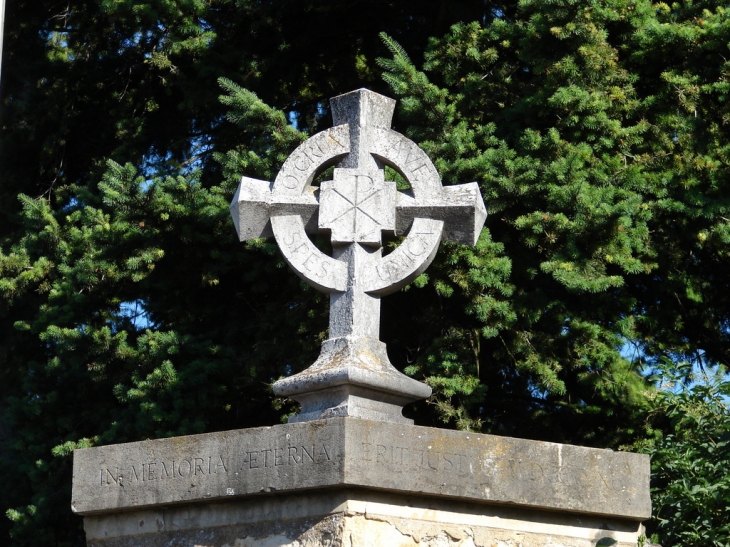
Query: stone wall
point(355, 518)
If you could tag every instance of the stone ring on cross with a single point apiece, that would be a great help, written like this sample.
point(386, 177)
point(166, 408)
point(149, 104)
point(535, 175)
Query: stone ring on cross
point(353, 376)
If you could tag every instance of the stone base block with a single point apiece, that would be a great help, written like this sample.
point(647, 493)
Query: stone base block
point(355, 518)
point(348, 482)
point(354, 453)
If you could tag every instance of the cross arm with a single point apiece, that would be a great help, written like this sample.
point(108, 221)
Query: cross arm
point(254, 204)
point(460, 207)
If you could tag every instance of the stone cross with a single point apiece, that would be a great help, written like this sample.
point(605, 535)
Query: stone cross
point(353, 376)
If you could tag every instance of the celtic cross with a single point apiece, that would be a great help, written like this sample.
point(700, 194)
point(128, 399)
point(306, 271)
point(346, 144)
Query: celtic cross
point(353, 376)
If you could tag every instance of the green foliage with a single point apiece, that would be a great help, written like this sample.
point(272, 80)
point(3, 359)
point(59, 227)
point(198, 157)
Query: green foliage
point(113, 352)
point(128, 310)
point(92, 371)
point(548, 131)
point(596, 130)
point(690, 483)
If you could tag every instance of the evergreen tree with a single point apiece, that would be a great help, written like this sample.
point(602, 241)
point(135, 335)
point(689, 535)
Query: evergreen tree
point(110, 192)
point(546, 120)
point(690, 484)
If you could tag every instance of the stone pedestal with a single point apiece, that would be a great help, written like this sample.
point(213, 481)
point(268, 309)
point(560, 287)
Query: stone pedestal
point(353, 482)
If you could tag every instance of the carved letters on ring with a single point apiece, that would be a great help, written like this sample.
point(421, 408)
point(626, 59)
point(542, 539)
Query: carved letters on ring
point(393, 271)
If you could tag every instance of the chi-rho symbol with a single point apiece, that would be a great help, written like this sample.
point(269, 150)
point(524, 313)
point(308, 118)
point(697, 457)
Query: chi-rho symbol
point(353, 376)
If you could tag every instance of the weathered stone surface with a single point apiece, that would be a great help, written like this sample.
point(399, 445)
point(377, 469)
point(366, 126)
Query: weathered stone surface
point(355, 518)
point(350, 452)
point(207, 467)
point(498, 469)
point(355, 208)
point(352, 370)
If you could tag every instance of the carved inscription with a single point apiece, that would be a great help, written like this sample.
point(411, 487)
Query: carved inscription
point(400, 265)
point(290, 455)
point(141, 473)
point(356, 207)
point(321, 271)
point(299, 169)
point(414, 458)
point(533, 472)
point(299, 247)
point(410, 258)
point(567, 474)
point(409, 159)
point(495, 472)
